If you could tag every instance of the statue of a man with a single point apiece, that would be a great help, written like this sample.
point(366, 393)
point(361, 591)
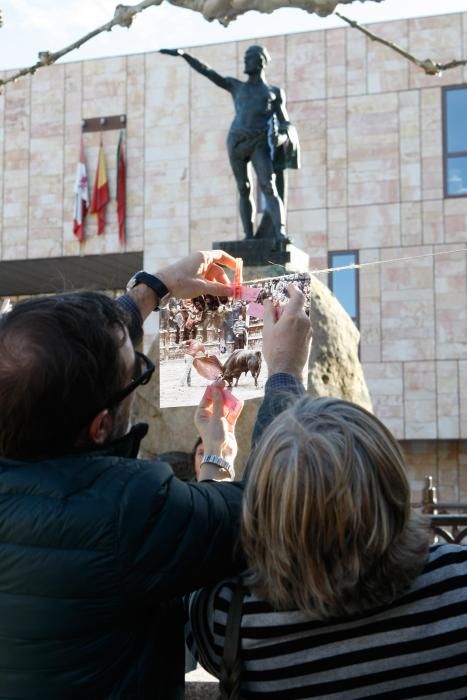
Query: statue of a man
point(260, 134)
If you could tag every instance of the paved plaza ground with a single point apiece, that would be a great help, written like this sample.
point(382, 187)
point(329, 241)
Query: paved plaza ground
point(172, 394)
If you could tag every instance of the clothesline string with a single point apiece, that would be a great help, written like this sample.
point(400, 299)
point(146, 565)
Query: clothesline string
point(356, 266)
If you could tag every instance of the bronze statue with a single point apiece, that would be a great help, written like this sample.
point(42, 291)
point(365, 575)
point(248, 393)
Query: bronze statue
point(260, 134)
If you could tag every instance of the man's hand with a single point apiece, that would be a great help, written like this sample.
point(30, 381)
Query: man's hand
point(286, 338)
point(172, 52)
point(197, 274)
point(216, 431)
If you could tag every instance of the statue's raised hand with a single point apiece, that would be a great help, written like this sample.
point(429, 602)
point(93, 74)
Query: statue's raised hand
point(171, 52)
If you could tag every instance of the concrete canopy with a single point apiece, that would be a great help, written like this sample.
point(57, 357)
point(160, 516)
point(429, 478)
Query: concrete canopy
point(54, 275)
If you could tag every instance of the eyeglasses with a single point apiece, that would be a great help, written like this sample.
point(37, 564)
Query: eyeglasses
point(144, 369)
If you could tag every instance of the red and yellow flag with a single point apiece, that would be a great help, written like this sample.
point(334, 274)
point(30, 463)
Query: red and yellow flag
point(100, 193)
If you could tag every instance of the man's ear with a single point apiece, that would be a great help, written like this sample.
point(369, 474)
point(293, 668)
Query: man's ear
point(100, 429)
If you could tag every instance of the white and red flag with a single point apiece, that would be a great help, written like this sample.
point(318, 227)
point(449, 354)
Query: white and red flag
point(81, 196)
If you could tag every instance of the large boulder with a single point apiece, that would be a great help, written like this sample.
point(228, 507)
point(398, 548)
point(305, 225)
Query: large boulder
point(334, 370)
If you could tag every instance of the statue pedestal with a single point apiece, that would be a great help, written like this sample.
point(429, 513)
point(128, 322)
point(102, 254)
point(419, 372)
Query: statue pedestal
point(264, 257)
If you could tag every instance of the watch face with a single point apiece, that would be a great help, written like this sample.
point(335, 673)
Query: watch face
point(133, 281)
point(130, 284)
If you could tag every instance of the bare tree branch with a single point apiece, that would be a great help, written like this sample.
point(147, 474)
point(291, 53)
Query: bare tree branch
point(429, 66)
point(123, 17)
point(223, 10)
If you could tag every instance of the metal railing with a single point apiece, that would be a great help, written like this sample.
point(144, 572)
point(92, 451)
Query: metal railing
point(448, 520)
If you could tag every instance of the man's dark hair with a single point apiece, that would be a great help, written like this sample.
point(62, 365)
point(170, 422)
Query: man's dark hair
point(59, 364)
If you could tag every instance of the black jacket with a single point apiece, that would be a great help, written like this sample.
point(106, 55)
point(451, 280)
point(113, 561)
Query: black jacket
point(93, 550)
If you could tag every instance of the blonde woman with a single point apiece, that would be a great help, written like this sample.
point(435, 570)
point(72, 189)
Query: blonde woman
point(344, 598)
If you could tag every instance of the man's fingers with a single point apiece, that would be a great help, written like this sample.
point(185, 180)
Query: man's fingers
point(219, 382)
point(217, 402)
point(232, 416)
point(217, 274)
point(217, 289)
point(198, 273)
point(269, 314)
point(202, 412)
point(296, 301)
point(206, 401)
point(222, 258)
point(200, 418)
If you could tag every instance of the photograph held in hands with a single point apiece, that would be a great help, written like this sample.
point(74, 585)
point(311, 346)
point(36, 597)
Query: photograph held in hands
point(208, 338)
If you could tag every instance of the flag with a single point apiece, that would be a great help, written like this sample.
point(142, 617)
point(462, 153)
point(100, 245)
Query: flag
point(81, 196)
point(100, 193)
point(121, 209)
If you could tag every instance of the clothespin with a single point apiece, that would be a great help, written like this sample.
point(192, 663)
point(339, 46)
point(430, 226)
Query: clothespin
point(238, 279)
point(240, 292)
point(231, 404)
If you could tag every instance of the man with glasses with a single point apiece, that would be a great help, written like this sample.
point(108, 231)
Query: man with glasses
point(94, 543)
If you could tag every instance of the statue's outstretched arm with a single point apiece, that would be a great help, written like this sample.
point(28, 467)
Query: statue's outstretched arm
point(200, 67)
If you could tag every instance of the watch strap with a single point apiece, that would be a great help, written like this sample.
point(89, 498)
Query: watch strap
point(153, 283)
point(134, 320)
point(219, 462)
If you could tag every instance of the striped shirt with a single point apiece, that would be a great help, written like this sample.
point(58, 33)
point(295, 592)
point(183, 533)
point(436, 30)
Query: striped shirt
point(414, 648)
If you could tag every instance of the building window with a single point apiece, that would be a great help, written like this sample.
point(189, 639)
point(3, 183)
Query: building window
point(344, 283)
point(455, 141)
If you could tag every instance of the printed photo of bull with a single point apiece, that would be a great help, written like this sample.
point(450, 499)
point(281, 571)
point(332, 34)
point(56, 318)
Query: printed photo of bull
point(241, 361)
point(209, 337)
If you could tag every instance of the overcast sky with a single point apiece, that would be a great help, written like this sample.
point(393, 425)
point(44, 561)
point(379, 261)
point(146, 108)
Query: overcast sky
point(30, 26)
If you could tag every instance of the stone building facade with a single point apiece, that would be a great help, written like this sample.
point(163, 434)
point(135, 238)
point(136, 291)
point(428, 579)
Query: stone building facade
point(371, 129)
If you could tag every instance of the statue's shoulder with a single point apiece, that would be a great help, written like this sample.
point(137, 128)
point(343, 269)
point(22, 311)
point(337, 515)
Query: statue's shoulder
point(234, 82)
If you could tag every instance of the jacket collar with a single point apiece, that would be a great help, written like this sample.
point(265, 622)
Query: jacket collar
point(125, 446)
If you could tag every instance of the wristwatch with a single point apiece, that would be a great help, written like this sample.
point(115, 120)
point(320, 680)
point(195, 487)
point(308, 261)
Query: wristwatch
point(219, 462)
point(154, 283)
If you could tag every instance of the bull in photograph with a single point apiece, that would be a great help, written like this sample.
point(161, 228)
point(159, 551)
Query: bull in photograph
point(242, 361)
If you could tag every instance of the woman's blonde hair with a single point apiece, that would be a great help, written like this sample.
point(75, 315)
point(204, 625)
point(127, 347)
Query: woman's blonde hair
point(327, 526)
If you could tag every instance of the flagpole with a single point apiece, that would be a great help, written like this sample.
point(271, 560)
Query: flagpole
point(121, 189)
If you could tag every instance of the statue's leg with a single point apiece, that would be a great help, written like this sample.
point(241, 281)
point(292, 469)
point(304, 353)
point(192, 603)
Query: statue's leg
point(267, 181)
point(282, 187)
point(241, 169)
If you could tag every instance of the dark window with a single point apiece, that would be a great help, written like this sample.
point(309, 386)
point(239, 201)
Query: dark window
point(344, 283)
point(455, 141)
